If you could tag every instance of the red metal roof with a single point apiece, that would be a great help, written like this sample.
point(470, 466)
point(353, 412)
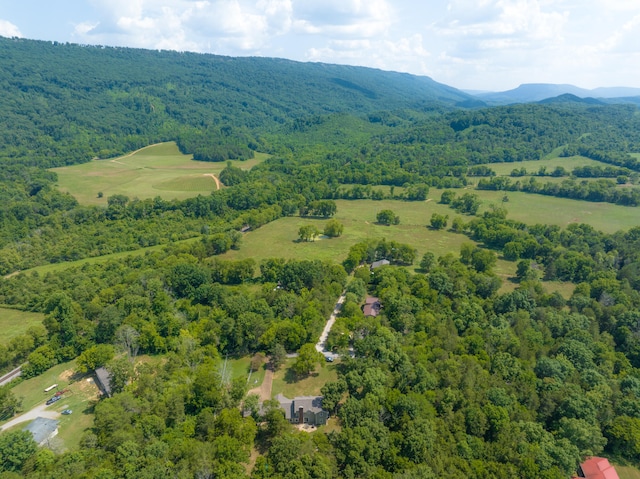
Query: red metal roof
point(598, 468)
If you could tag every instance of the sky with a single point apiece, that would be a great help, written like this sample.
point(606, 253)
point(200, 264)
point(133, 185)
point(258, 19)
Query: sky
point(491, 45)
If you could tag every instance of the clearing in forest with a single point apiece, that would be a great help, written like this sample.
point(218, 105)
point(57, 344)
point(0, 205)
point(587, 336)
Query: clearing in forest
point(156, 170)
point(14, 323)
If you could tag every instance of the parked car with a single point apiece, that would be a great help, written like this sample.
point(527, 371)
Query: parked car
point(53, 399)
point(328, 359)
point(66, 412)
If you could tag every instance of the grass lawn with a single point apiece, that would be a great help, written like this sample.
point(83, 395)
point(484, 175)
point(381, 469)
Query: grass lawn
point(240, 369)
point(286, 382)
point(280, 238)
point(32, 390)
point(533, 209)
point(628, 472)
point(14, 323)
point(80, 398)
point(157, 170)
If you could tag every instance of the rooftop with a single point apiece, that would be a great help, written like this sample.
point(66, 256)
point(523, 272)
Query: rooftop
point(598, 468)
point(42, 429)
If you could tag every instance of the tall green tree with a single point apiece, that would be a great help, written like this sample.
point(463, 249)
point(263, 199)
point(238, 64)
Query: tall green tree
point(307, 360)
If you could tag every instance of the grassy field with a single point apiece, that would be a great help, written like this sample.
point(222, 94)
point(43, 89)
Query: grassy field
point(157, 170)
point(628, 472)
point(286, 382)
point(240, 369)
point(569, 163)
point(532, 209)
point(280, 238)
point(80, 397)
point(14, 323)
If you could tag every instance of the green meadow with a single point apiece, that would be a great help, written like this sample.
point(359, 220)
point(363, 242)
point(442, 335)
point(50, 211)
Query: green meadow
point(568, 163)
point(14, 323)
point(280, 238)
point(532, 209)
point(156, 170)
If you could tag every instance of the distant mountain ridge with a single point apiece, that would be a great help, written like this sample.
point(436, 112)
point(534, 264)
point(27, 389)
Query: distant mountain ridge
point(534, 92)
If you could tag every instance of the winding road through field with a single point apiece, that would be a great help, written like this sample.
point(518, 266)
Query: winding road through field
point(215, 178)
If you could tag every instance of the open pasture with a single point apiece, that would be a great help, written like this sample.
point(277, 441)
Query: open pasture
point(533, 209)
point(14, 323)
point(568, 163)
point(156, 170)
point(280, 238)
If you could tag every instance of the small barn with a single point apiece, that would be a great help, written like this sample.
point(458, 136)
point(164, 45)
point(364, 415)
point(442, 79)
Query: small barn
point(103, 380)
point(303, 410)
point(42, 429)
point(382, 262)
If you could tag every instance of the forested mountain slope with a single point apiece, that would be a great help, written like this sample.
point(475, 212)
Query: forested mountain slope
point(63, 103)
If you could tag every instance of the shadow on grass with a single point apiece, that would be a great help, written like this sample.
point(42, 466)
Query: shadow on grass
point(291, 377)
point(77, 376)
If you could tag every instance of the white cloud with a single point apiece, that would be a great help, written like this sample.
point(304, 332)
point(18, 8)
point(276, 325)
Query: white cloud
point(500, 25)
point(233, 26)
point(404, 54)
point(8, 29)
point(351, 18)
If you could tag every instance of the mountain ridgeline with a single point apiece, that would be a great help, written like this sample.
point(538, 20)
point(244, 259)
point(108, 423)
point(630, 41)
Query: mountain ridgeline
point(64, 103)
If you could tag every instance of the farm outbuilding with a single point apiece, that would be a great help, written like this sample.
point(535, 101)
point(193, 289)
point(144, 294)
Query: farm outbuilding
point(103, 380)
point(382, 262)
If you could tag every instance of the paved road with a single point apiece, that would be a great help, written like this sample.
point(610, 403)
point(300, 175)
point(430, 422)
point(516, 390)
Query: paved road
point(38, 411)
point(322, 342)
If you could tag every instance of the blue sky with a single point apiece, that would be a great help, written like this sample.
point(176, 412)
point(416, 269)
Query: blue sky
point(472, 44)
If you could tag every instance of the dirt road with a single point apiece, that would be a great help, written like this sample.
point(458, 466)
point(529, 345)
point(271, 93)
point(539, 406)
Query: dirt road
point(215, 178)
point(320, 345)
point(264, 390)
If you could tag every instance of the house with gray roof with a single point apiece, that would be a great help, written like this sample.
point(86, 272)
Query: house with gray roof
point(42, 429)
point(303, 410)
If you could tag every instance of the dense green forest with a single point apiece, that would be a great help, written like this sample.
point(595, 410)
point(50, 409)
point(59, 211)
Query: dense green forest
point(458, 376)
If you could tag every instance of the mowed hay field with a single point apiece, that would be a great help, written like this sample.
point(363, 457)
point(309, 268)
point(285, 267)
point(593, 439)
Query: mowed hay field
point(568, 163)
point(14, 323)
point(156, 170)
